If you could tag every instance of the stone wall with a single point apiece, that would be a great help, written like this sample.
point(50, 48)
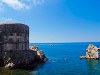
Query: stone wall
point(14, 36)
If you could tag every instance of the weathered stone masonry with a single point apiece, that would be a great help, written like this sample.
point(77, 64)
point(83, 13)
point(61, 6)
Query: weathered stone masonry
point(14, 47)
point(14, 36)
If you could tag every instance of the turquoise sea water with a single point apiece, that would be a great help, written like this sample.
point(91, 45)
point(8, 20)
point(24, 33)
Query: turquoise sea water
point(63, 60)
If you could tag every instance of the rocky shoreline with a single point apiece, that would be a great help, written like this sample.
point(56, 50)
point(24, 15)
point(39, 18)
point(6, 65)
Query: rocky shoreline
point(23, 59)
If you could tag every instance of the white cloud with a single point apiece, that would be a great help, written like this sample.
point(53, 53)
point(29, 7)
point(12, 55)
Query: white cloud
point(1, 7)
point(7, 19)
point(15, 4)
point(36, 2)
point(1, 4)
point(11, 20)
point(19, 4)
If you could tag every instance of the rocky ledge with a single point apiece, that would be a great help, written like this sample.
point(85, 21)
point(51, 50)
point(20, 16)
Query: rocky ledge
point(22, 59)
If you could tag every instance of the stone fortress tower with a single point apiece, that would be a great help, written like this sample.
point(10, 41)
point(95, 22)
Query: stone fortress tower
point(14, 36)
point(14, 47)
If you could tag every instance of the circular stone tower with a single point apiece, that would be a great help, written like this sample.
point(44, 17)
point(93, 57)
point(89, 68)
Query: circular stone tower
point(14, 36)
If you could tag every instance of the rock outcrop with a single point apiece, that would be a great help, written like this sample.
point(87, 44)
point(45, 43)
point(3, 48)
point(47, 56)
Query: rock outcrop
point(23, 59)
point(91, 52)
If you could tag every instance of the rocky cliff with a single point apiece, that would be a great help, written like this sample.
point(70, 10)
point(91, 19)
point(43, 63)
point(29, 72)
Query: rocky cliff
point(27, 59)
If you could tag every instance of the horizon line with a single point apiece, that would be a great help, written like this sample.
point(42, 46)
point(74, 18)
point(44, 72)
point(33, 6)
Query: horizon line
point(65, 42)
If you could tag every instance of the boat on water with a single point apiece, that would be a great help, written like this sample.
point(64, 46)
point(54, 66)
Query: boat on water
point(51, 44)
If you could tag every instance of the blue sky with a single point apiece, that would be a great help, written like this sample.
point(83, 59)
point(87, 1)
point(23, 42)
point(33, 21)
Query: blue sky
point(55, 20)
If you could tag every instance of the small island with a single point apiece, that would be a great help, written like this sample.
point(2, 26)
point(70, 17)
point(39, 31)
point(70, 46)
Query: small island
point(91, 52)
